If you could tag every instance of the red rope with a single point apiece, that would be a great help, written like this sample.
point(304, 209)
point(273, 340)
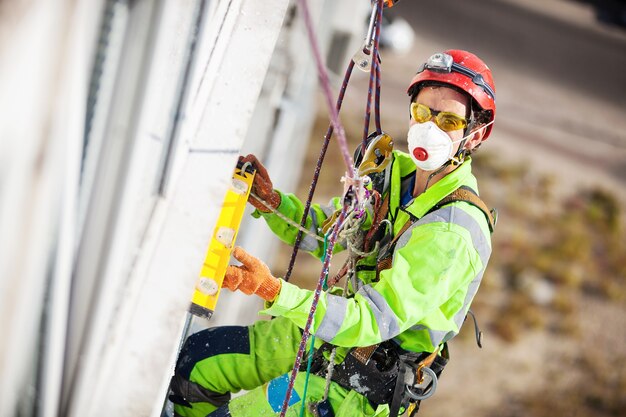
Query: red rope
point(316, 174)
point(316, 297)
point(374, 80)
point(338, 127)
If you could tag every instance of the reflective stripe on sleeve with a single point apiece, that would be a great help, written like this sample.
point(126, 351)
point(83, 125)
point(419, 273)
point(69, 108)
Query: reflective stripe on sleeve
point(309, 243)
point(385, 317)
point(484, 251)
point(455, 215)
point(336, 308)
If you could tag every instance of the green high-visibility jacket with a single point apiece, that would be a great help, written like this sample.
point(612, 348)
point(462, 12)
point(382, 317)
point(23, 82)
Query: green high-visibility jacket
point(422, 300)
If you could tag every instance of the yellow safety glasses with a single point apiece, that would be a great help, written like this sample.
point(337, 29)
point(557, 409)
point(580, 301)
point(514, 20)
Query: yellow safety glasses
point(445, 120)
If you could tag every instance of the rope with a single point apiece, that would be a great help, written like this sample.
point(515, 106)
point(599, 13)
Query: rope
point(316, 297)
point(351, 234)
point(329, 371)
point(379, 129)
point(312, 348)
point(346, 79)
point(316, 174)
point(350, 173)
point(373, 78)
point(301, 230)
point(323, 75)
point(376, 64)
point(346, 227)
point(308, 373)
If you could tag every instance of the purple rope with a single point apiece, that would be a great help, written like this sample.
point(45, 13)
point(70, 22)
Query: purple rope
point(323, 75)
point(377, 101)
point(373, 76)
point(316, 174)
point(316, 297)
point(378, 72)
point(366, 124)
point(335, 125)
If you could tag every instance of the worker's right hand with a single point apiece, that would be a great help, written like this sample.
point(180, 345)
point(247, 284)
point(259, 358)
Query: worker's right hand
point(262, 186)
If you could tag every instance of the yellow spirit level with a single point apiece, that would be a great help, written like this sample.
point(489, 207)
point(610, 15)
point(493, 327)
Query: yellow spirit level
point(209, 283)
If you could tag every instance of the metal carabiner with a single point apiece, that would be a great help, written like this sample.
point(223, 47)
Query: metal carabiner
point(363, 57)
point(427, 394)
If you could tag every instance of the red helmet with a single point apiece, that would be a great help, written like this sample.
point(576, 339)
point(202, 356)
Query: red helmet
point(463, 70)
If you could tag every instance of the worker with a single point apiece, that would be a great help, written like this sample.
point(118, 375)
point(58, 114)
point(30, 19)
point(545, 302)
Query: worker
point(410, 296)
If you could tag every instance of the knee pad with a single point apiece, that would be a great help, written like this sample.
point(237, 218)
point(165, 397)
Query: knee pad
point(184, 392)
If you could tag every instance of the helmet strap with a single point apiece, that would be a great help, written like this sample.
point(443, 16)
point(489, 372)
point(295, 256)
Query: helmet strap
point(437, 171)
point(471, 120)
point(456, 160)
point(460, 154)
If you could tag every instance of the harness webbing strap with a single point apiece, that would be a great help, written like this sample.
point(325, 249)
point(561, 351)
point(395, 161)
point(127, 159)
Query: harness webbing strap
point(462, 193)
point(468, 195)
point(398, 393)
point(380, 213)
point(426, 362)
point(363, 354)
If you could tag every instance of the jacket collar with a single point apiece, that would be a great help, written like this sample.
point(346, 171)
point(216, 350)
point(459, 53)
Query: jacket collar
point(420, 205)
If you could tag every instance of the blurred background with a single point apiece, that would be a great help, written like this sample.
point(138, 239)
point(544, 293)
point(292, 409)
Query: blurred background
point(552, 305)
point(120, 125)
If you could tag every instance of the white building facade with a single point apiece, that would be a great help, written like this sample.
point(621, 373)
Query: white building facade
point(120, 124)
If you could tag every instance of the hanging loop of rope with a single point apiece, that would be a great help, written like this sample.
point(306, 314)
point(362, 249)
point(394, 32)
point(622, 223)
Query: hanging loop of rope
point(316, 296)
point(316, 174)
point(301, 230)
point(370, 47)
point(374, 81)
point(354, 194)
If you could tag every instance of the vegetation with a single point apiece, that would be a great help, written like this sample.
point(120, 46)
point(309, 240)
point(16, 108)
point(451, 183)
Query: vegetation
point(555, 252)
point(558, 270)
point(551, 249)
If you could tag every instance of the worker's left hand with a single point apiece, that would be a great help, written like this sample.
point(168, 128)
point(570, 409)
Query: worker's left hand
point(387, 3)
point(262, 186)
point(252, 277)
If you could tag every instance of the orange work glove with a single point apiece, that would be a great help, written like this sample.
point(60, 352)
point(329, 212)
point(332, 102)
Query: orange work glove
point(253, 277)
point(262, 186)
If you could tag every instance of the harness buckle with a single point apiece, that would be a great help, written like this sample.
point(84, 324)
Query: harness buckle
point(428, 386)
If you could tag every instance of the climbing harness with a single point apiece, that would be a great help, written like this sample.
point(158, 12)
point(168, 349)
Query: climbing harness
point(394, 376)
point(353, 186)
point(390, 375)
point(213, 269)
point(385, 373)
point(403, 378)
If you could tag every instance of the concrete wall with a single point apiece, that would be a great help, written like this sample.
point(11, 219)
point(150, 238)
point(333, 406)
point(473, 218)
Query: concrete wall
point(121, 122)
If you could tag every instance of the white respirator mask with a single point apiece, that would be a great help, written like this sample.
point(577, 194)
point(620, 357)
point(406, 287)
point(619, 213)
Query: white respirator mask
point(430, 147)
